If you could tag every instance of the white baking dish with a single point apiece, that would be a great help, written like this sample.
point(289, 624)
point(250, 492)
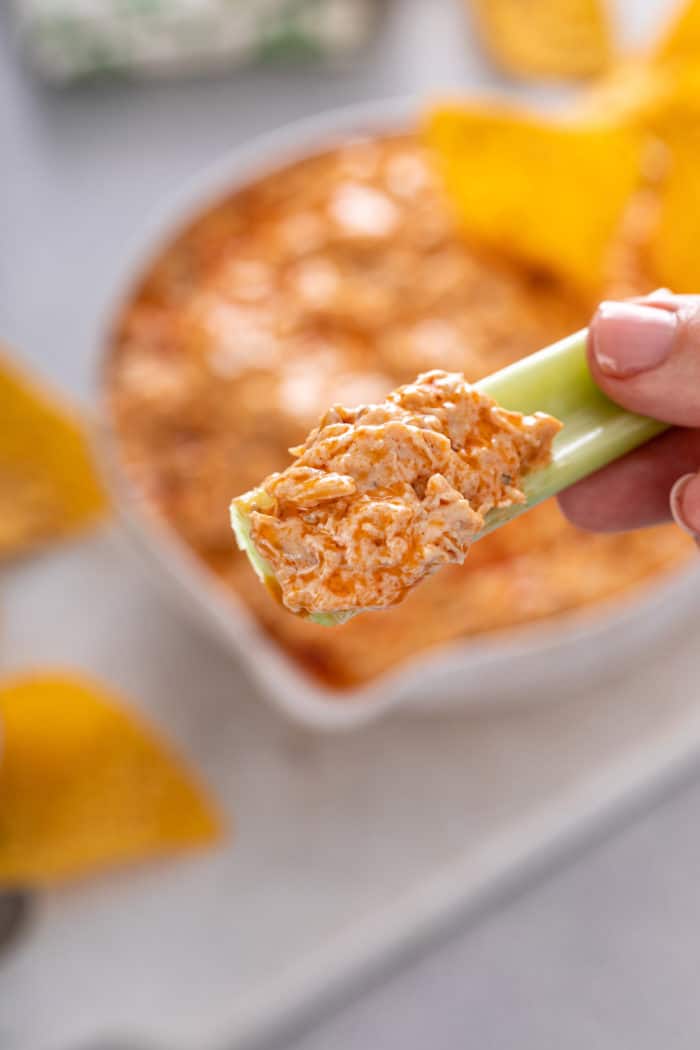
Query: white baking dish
point(545, 659)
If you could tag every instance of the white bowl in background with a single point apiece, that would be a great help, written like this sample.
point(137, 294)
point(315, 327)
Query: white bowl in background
point(510, 666)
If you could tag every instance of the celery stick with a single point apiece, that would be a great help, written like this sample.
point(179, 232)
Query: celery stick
point(240, 523)
point(596, 431)
point(556, 381)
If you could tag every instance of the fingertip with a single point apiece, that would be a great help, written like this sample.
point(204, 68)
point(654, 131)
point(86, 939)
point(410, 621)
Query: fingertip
point(628, 338)
point(685, 504)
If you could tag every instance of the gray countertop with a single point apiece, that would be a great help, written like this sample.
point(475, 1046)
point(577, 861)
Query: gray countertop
point(604, 954)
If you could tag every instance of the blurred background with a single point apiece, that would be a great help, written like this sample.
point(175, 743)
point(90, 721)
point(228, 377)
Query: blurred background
point(183, 864)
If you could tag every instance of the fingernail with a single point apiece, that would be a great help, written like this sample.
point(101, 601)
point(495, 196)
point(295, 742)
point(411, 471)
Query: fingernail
point(628, 338)
point(685, 504)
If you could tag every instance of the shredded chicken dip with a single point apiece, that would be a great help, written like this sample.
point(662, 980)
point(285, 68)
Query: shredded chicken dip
point(381, 496)
point(339, 278)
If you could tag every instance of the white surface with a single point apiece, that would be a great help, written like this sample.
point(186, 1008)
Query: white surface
point(345, 849)
point(604, 957)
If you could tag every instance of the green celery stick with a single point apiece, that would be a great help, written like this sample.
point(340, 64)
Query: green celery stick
point(556, 381)
point(240, 523)
point(596, 431)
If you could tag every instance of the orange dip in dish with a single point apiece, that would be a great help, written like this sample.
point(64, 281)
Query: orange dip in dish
point(381, 496)
point(336, 280)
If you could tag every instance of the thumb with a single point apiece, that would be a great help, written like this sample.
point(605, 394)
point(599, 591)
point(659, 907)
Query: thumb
point(645, 355)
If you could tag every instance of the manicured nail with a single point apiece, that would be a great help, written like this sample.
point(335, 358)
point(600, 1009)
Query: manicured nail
point(685, 504)
point(628, 338)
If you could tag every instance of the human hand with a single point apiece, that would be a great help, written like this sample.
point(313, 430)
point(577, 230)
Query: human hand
point(645, 355)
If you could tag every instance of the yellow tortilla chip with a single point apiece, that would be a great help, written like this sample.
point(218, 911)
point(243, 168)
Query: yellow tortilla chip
point(550, 193)
point(673, 251)
point(676, 123)
point(682, 38)
point(545, 38)
point(633, 92)
point(656, 97)
point(48, 484)
point(678, 107)
point(664, 102)
point(84, 785)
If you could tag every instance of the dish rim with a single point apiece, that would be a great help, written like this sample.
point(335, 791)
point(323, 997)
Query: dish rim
point(282, 679)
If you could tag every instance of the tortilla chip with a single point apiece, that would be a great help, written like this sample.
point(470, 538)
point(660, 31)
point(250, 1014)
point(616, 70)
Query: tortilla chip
point(84, 785)
point(676, 122)
point(633, 92)
point(682, 38)
point(673, 249)
point(545, 38)
point(48, 483)
point(661, 81)
point(663, 101)
point(547, 192)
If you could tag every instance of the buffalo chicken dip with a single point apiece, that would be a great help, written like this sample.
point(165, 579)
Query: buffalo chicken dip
point(383, 495)
point(336, 280)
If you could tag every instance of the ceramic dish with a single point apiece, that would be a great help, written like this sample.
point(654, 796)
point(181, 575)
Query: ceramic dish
point(513, 666)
